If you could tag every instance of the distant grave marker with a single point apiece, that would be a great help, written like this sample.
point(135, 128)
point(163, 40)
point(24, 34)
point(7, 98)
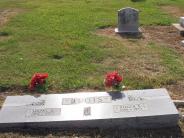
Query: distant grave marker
point(182, 42)
point(180, 26)
point(182, 21)
point(129, 109)
point(128, 21)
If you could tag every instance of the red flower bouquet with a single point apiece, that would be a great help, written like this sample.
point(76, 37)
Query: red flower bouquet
point(113, 80)
point(38, 82)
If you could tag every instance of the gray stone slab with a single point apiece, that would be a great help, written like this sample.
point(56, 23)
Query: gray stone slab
point(128, 109)
point(182, 42)
point(182, 21)
point(128, 21)
point(179, 27)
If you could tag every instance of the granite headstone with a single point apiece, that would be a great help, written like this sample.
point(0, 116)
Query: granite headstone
point(128, 21)
point(129, 109)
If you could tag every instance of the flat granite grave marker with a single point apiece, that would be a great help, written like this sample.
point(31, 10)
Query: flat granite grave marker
point(128, 21)
point(129, 109)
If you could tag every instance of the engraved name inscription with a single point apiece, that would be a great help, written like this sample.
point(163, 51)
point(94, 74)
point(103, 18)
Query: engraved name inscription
point(130, 107)
point(101, 99)
point(89, 100)
point(135, 98)
point(39, 103)
point(43, 112)
point(70, 101)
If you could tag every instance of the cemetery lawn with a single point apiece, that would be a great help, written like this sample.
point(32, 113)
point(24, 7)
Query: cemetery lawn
point(61, 37)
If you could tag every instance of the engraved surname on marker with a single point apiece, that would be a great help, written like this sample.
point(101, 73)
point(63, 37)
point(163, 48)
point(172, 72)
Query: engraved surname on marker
point(135, 98)
point(39, 103)
point(103, 99)
point(43, 112)
point(130, 108)
point(90, 100)
point(100, 99)
point(71, 101)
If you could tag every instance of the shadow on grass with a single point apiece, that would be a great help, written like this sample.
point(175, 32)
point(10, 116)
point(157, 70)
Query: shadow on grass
point(173, 132)
point(131, 35)
point(4, 34)
point(138, 0)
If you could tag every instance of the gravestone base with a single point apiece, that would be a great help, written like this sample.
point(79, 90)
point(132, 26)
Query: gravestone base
point(128, 33)
point(118, 123)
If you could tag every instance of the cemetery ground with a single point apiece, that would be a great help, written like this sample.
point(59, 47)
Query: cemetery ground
point(74, 41)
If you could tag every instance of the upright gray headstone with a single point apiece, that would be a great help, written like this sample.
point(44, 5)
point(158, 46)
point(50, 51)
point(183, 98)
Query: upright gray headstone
point(129, 109)
point(128, 21)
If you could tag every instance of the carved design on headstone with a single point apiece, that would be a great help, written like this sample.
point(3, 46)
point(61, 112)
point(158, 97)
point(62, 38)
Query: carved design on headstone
point(43, 112)
point(130, 107)
point(87, 111)
point(128, 21)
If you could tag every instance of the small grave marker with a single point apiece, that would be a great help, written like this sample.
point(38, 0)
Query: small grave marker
point(128, 21)
point(180, 26)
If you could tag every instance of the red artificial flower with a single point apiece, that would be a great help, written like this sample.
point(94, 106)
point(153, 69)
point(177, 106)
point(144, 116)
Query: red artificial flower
point(37, 79)
point(113, 79)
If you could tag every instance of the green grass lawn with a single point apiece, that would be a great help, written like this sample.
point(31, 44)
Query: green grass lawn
point(58, 37)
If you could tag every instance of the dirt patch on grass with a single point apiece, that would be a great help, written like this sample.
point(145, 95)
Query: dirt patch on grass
point(173, 10)
point(148, 65)
point(166, 35)
point(7, 14)
point(176, 90)
point(3, 38)
point(163, 35)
